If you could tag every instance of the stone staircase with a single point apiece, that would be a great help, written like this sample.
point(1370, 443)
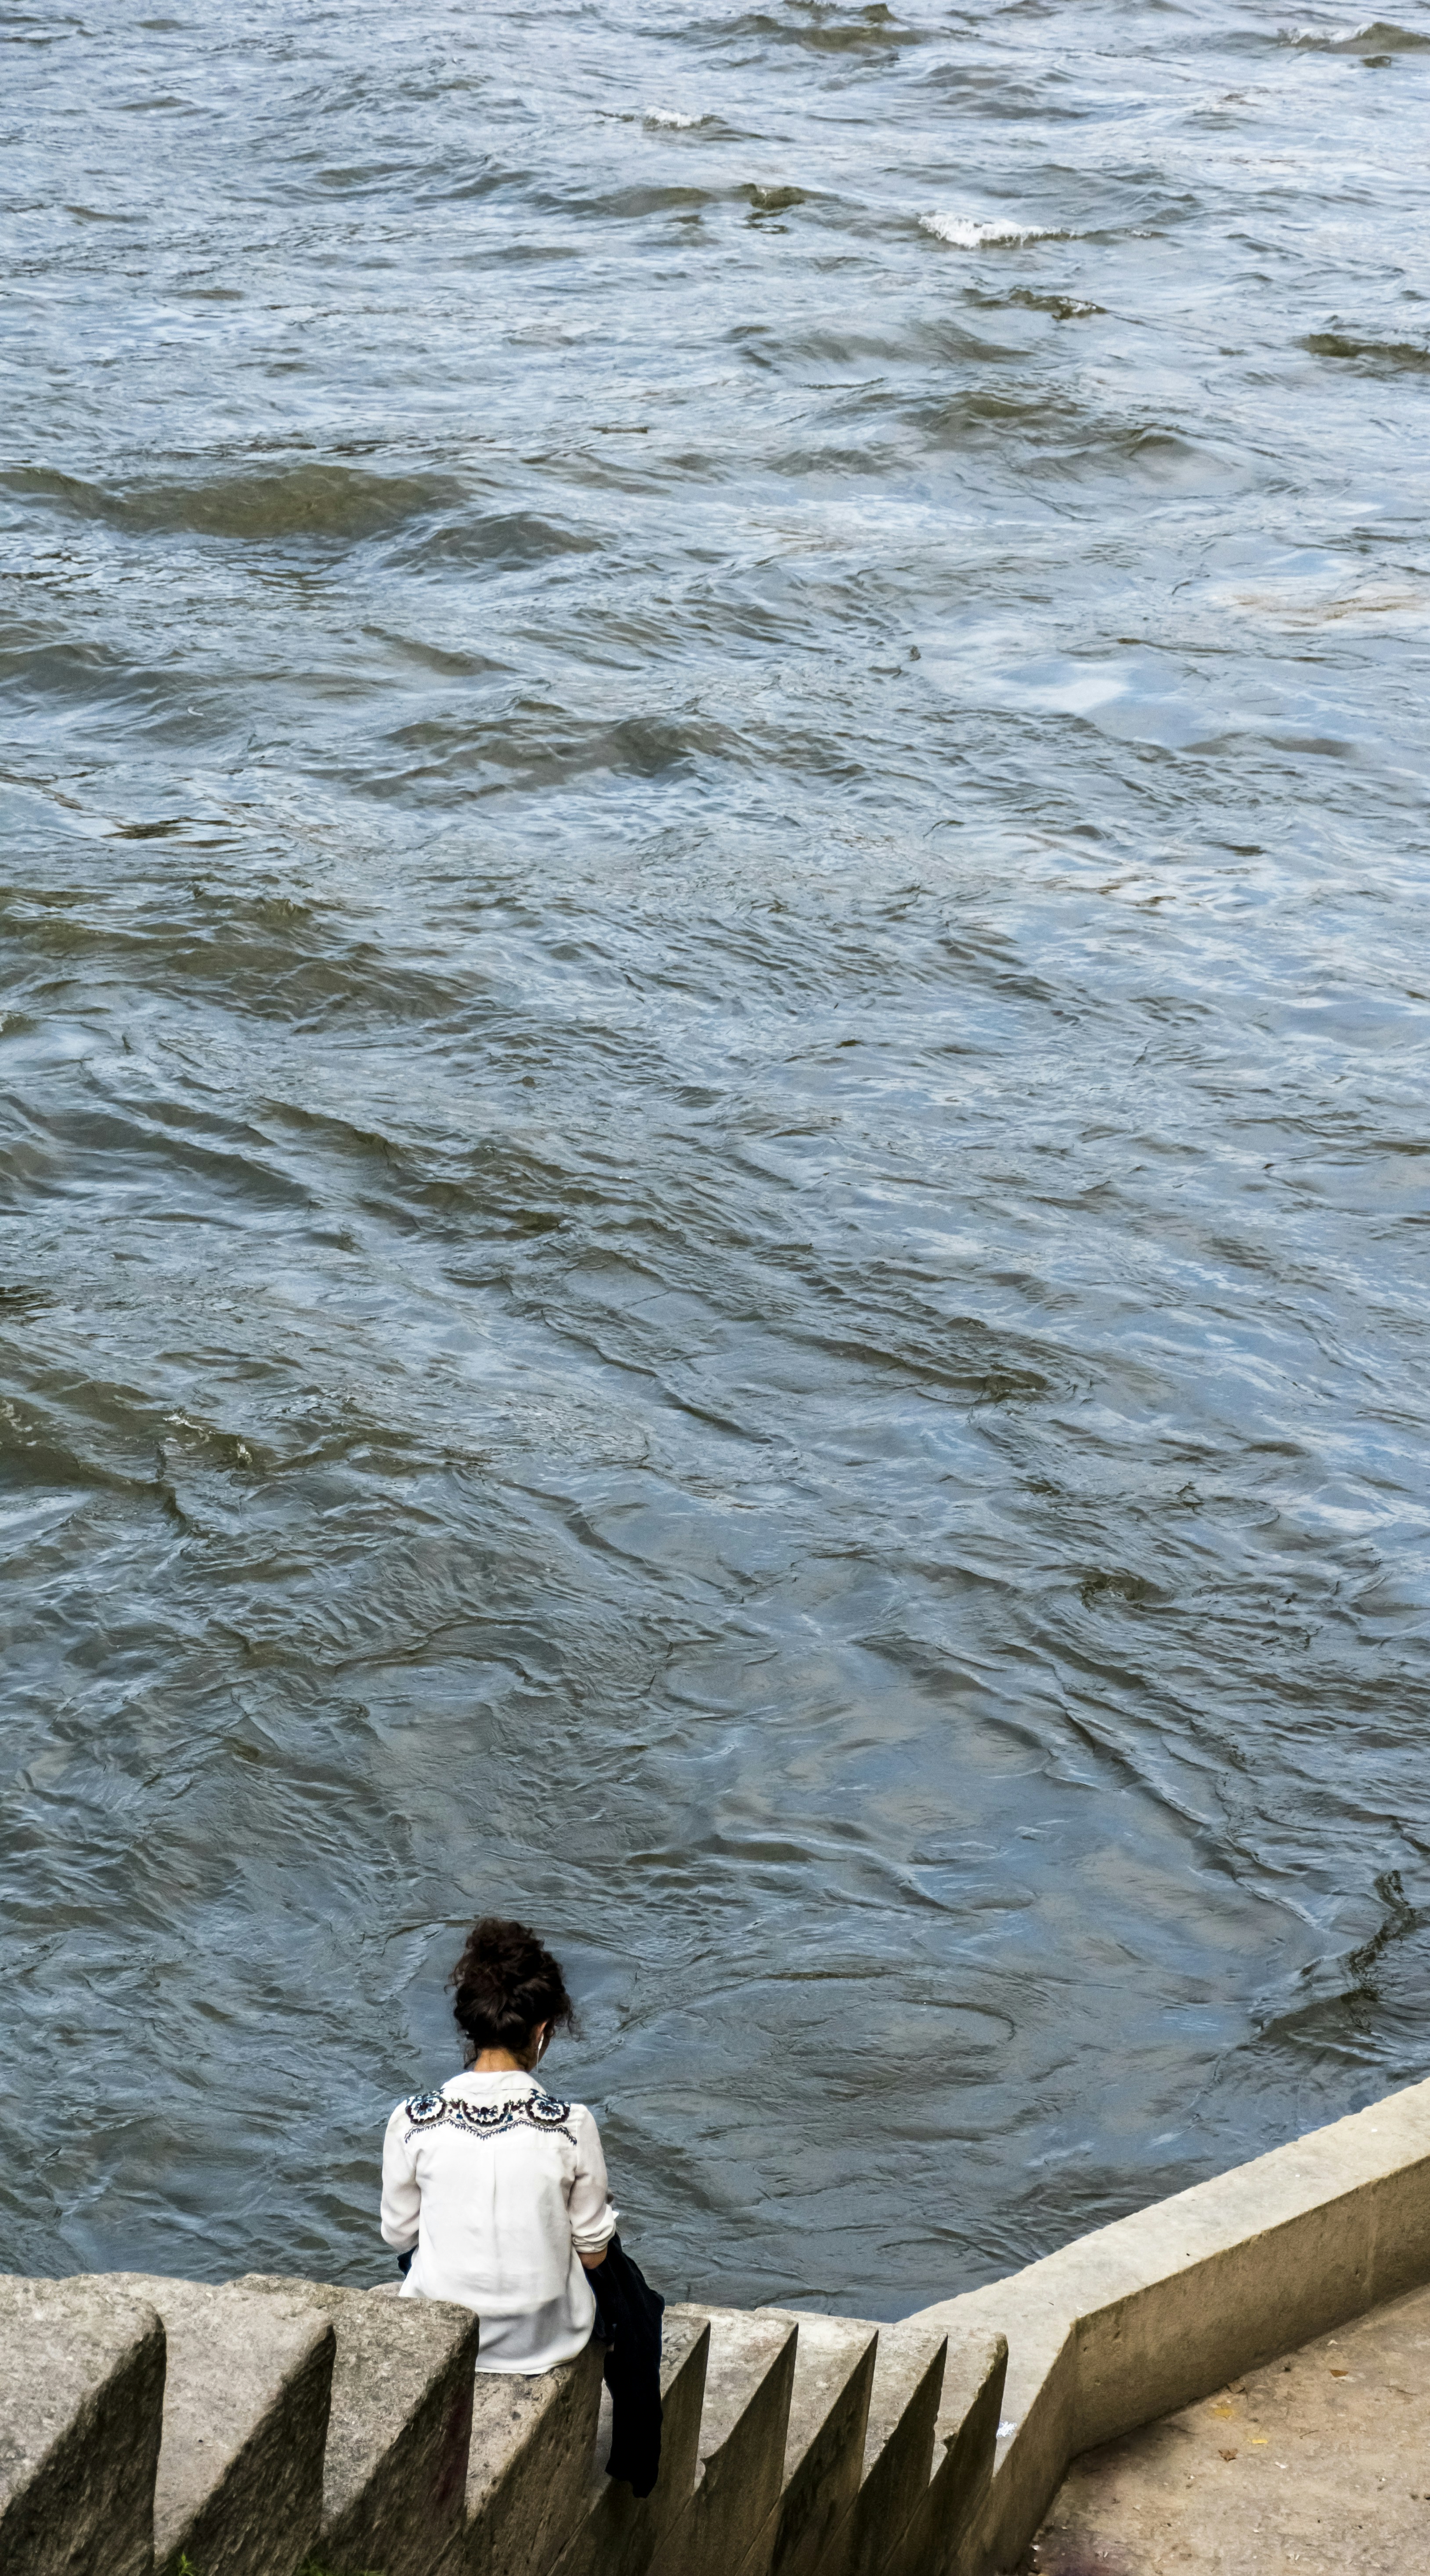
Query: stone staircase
point(157, 2427)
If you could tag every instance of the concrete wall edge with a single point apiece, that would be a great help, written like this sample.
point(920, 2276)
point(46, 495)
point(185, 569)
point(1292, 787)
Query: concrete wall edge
point(1157, 2310)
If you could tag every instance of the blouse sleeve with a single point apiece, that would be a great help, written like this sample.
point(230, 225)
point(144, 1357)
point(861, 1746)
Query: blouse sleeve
point(593, 2220)
point(401, 2191)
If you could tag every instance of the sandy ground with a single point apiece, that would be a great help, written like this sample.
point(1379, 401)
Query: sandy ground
point(1318, 2463)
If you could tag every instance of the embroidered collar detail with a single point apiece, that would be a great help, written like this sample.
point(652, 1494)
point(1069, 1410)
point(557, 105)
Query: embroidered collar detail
point(535, 2110)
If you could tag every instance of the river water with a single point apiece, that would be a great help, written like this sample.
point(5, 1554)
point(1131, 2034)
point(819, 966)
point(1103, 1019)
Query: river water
point(715, 1107)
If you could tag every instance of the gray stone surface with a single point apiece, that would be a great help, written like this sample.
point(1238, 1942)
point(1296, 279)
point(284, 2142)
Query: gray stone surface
point(621, 2533)
point(395, 2466)
point(530, 2468)
point(943, 2528)
point(749, 2379)
point(1314, 2465)
point(81, 2410)
point(824, 2445)
point(1151, 2313)
point(898, 2446)
point(240, 2483)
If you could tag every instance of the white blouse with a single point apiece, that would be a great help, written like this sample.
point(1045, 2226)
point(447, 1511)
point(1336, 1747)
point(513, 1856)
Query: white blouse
point(502, 2188)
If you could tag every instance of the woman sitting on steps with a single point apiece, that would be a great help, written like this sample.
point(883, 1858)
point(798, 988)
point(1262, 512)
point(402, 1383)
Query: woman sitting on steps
point(493, 2191)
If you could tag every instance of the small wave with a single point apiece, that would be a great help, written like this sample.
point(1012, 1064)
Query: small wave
point(1412, 354)
point(1377, 36)
point(334, 503)
point(1300, 604)
point(505, 539)
point(874, 27)
point(1063, 308)
point(774, 200)
point(965, 234)
point(672, 118)
point(629, 204)
point(534, 744)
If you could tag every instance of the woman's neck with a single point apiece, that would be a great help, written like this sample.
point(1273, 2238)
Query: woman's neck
point(499, 2061)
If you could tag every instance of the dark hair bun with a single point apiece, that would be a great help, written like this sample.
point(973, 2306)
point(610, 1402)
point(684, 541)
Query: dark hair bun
point(505, 1983)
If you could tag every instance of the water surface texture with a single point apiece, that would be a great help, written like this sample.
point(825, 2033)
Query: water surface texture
point(714, 1062)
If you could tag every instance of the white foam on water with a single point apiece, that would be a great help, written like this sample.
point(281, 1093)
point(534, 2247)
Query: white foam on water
point(964, 234)
point(1380, 34)
point(671, 116)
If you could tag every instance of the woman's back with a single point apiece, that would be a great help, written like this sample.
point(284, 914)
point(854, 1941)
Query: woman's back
point(504, 2186)
point(493, 2190)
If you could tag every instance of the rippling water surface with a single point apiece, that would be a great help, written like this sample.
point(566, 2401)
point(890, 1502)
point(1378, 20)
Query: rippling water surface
point(715, 1143)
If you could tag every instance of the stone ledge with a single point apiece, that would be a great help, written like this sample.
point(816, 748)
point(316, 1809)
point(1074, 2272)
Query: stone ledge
point(399, 2429)
point(81, 2416)
point(1159, 2309)
point(239, 2487)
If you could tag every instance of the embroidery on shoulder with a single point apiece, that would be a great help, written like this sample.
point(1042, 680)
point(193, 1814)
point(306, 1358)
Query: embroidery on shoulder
point(535, 2110)
point(546, 2111)
point(426, 2108)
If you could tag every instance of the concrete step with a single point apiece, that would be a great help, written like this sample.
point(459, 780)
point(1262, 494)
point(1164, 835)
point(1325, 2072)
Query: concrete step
point(898, 2446)
point(824, 2446)
point(301, 2421)
point(399, 2429)
point(621, 2532)
point(964, 2437)
point(81, 2415)
point(239, 2490)
point(749, 2380)
point(530, 2468)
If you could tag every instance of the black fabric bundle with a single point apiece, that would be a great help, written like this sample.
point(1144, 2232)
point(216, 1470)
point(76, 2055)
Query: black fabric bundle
point(628, 2315)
